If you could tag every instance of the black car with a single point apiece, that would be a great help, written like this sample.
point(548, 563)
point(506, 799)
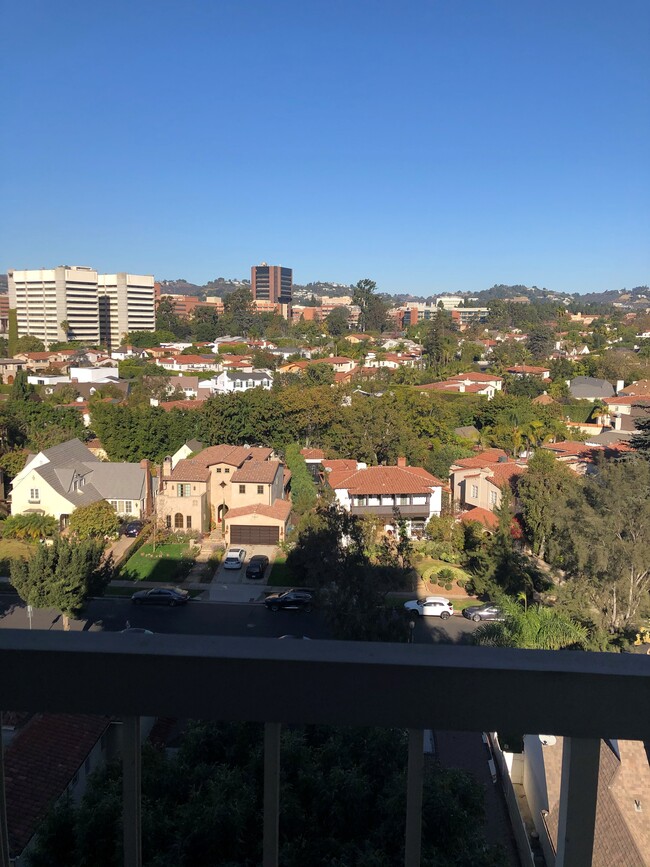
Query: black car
point(488, 611)
point(161, 596)
point(297, 599)
point(257, 566)
point(133, 528)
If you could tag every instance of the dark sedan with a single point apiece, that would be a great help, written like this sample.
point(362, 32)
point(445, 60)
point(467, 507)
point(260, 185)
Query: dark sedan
point(133, 529)
point(488, 611)
point(291, 599)
point(161, 596)
point(257, 566)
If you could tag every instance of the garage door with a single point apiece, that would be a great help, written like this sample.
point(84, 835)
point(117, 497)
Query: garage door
point(241, 535)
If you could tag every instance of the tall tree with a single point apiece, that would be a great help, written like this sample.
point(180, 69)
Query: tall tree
point(238, 309)
point(641, 439)
point(542, 492)
point(373, 309)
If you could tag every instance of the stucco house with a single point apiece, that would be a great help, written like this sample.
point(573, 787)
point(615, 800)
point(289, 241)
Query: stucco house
point(235, 380)
point(240, 489)
point(56, 481)
point(477, 482)
point(363, 490)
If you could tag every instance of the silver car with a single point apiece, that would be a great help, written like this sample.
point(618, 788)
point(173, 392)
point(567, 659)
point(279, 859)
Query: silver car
point(234, 558)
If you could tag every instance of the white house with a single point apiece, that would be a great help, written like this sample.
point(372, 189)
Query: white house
point(235, 380)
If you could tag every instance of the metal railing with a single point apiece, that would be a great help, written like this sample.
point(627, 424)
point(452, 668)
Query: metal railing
point(582, 696)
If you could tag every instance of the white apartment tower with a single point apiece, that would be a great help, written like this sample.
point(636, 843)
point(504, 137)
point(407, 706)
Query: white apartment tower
point(77, 303)
point(126, 303)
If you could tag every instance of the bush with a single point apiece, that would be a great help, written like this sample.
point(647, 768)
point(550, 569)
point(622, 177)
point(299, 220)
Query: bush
point(32, 527)
point(445, 577)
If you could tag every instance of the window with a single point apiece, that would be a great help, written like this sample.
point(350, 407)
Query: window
point(183, 490)
point(168, 522)
point(113, 504)
point(178, 521)
point(493, 498)
point(242, 489)
point(260, 489)
point(227, 470)
point(218, 470)
point(128, 507)
point(474, 492)
point(403, 500)
point(188, 522)
point(35, 494)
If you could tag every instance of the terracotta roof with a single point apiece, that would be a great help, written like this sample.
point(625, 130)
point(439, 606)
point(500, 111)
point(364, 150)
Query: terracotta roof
point(544, 399)
point(484, 459)
point(312, 454)
point(262, 472)
point(476, 377)
point(169, 405)
point(503, 473)
point(339, 465)
point(628, 400)
point(40, 762)
point(528, 368)
point(642, 386)
point(483, 516)
point(188, 470)
point(280, 511)
point(232, 455)
point(385, 480)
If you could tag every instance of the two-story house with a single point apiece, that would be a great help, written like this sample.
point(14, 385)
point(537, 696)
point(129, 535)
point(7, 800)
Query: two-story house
point(378, 491)
point(58, 480)
point(240, 489)
point(477, 482)
point(230, 381)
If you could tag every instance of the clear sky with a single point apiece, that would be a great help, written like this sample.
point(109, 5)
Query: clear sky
point(430, 145)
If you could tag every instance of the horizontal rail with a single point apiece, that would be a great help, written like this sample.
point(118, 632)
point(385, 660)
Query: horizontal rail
point(569, 693)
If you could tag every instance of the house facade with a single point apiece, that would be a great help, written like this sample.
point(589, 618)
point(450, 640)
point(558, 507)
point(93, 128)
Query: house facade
point(477, 482)
point(378, 491)
point(230, 381)
point(61, 479)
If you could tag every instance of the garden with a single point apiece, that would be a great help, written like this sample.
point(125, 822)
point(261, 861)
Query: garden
point(168, 562)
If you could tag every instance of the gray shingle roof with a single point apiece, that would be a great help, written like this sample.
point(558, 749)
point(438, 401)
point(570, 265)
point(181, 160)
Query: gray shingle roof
point(589, 387)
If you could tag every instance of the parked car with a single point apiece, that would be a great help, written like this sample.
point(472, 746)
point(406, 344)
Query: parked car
point(257, 566)
point(298, 599)
point(488, 611)
point(430, 606)
point(234, 558)
point(136, 630)
point(133, 528)
point(161, 596)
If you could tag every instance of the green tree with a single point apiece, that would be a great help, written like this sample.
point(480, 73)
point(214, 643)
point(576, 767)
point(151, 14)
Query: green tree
point(238, 309)
point(97, 520)
point(372, 316)
point(62, 575)
point(168, 320)
point(641, 439)
point(27, 343)
point(540, 342)
point(440, 341)
point(542, 492)
point(205, 323)
point(319, 374)
point(21, 389)
point(337, 321)
point(31, 527)
point(536, 627)
point(303, 487)
point(13, 461)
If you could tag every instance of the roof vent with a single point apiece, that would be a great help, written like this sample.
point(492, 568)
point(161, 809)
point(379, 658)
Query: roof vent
point(503, 459)
point(548, 740)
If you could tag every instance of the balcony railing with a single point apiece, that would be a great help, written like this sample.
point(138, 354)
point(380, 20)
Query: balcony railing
point(405, 511)
point(582, 696)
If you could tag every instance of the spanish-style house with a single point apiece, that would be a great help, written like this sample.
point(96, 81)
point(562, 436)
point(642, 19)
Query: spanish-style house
point(466, 383)
point(9, 367)
point(240, 489)
point(521, 370)
point(58, 480)
point(477, 482)
point(378, 491)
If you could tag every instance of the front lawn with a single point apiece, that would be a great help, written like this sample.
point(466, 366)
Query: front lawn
point(13, 549)
point(280, 575)
point(170, 562)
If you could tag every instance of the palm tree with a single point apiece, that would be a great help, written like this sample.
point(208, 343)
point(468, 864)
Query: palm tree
point(538, 627)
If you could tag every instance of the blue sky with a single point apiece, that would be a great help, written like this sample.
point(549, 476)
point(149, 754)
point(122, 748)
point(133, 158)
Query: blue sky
point(429, 145)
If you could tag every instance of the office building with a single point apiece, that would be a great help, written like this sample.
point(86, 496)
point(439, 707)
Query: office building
point(77, 303)
point(126, 304)
point(271, 283)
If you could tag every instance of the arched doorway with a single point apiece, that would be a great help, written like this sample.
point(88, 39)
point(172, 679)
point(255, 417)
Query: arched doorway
point(178, 521)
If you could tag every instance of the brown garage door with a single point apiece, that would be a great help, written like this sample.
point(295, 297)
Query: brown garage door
point(241, 535)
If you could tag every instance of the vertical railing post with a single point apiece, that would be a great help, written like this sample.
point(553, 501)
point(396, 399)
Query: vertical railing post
point(578, 795)
point(270, 845)
point(4, 828)
point(131, 791)
point(414, 780)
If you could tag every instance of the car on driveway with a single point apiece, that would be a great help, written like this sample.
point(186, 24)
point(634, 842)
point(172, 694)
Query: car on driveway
point(234, 558)
point(300, 600)
point(430, 606)
point(488, 611)
point(161, 596)
point(257, 566)
point(132, 529)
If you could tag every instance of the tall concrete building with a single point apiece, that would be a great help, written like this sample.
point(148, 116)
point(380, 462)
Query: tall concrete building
point(126, 303)
point(271, 283)
point(77, 303)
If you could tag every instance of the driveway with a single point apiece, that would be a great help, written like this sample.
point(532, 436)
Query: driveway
point(225, 579)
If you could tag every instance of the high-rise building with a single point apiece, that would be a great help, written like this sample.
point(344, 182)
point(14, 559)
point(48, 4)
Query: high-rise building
point(126, 303)
point(77, 303)
point(271, 283)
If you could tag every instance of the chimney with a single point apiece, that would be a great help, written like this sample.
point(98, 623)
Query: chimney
point(617, 421)
point(167, 467)
point(620, 385)
point(401, 462)
point(148, 493)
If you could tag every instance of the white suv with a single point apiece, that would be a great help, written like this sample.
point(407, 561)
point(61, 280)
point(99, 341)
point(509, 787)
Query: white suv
point(430, 606)
point(234, 558)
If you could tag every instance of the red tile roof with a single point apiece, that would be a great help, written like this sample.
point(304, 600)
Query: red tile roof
point(476, 377)
point(312, 454)
point(188, 470)
point(484, 459)
point(487, 519)
point(385, 480)
point(169, 405)
point(503, 473)
point(262, 472)
point(280, 511)
point(40, 762)
point(528, 368)
point(232, 455)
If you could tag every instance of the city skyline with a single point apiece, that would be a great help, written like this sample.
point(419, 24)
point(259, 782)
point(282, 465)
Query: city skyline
point(433, 149)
